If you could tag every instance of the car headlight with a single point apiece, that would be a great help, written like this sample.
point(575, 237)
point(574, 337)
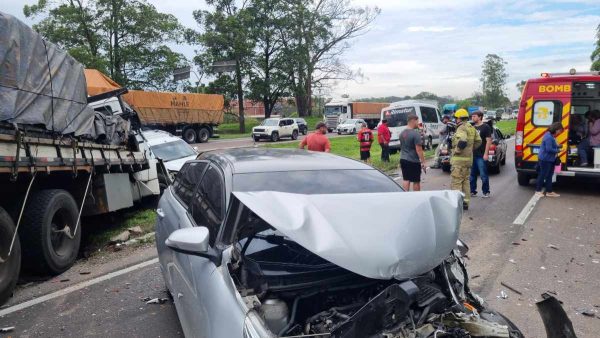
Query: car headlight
point(254, 327)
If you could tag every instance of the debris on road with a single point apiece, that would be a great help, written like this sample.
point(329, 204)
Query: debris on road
point(157, 301)
point(588, 313)
point(511, 288)
point(516, 243)
point(7, 329)
point(552, 246)
point(122, 237)
point(512, 261)
point(503, 295)
point(84, 272)
point(64, 280)
point(475, 276)
point(542, 267)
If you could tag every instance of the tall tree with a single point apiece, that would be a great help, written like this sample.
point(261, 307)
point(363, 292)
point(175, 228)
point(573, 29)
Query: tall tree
point(596, 53)
point(127, 39)
point(268, 81)
point(320, 34)
point(493, 81)
point(224, 37)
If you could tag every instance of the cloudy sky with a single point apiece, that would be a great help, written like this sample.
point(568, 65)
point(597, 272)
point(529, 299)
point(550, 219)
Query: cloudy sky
point(439, 45)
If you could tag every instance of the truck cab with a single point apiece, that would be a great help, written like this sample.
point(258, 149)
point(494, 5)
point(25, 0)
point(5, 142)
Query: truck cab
point(336, 111)
point(568, 98)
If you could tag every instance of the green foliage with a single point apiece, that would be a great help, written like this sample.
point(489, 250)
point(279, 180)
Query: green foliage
point(595, 57)
point(126, 39)
point(507, 127)
point(493, 81)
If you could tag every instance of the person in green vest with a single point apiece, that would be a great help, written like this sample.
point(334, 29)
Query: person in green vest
point(465, 139)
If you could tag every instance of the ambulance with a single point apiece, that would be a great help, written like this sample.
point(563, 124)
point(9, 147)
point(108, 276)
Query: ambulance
point(565, 98)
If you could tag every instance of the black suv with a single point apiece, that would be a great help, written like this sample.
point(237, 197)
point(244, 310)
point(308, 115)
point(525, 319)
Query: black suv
point(302, 127)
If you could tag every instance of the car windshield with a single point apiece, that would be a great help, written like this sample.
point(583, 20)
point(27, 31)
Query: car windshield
point(270, 122)
point(316, 182)
point(172, 150)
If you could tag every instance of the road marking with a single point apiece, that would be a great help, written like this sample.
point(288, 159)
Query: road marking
point(520, 220)
point(76, 287)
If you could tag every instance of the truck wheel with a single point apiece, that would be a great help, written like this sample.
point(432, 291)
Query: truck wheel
point(523, 179)
point(48, 223)
point(203, 135)
point(9, 266)
point(295, 135)
point(275, 136)
point(189, 135)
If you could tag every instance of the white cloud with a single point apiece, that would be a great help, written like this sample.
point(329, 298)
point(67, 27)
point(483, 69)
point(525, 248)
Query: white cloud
point(434, 29)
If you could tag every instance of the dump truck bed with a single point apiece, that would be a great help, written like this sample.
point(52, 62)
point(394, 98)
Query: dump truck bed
point(176, 108)
point(367, 110)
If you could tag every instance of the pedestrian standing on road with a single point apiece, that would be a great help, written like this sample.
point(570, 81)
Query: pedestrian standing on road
point(383, 137)
point(365, 137)
point(317, 141)
point(592, 138)
point(480, 155)
point(465, 139)
point(412, 160)
point(547, 157)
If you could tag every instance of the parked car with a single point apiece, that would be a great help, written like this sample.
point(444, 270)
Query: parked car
point(302, 126)
point(490, 114)
point(350, 126)
point(172, 150)
point(497, 151)
point(276, 128)
point(269, 243)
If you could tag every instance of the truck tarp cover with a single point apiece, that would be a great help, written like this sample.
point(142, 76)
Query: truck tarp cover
point(39, 83)
point(98, 83)
point(169, 108)
point(392, 235)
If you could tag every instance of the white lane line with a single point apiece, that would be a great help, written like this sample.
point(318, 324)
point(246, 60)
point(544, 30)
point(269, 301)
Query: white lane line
point(76, 287)
point(520, 220)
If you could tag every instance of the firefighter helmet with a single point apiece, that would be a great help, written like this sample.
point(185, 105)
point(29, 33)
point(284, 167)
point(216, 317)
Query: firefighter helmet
point(461, 114)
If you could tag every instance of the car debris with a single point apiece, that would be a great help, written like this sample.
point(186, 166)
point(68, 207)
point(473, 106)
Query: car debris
point(512, 261)
point(502, 295)
point(7, 329)
point(587, 313)
point(85, 272)
point(157, 301)
point(552, 246)
point(511, 288)
point(555, 319)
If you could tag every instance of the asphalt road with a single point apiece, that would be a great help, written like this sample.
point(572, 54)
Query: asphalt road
point(570, 269)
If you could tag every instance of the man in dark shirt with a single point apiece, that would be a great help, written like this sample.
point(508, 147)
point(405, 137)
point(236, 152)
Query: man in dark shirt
point(412, 160)
point(480, 156)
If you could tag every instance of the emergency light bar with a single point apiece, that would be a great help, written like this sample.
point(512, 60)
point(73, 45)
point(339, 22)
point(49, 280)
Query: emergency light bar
point(570, 73)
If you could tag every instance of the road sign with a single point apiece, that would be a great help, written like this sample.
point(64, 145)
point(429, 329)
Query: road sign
point(182, 73)
point(224, 66)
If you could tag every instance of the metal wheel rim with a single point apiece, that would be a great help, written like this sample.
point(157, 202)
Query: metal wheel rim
point(59, 240)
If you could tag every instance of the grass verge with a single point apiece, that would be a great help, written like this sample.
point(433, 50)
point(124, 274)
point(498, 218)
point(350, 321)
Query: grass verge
point(232, 130)
point(100, 229)
point(347, 146)
point(507, 127)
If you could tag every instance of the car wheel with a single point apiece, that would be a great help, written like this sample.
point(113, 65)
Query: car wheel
point(523, 179)
point(9, 266)
point(495, 169)
point(354, 131)
point(304, 131)
point(189, 135)
point(503, 161)
point(49, 220)
point(446, 168)
point(275, 136)
point(429, 144)
point(295, 135)
point(256, 139)
point(203, 135)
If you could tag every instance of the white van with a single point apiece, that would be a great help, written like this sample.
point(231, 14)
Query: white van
point(430, 120)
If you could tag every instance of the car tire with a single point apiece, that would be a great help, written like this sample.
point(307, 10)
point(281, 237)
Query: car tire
point(46, 249)
point(256, 139)
point(339, 133)
point(203, 135)
point(304, 131)
point(429, 144)
point(523, 179)
point(446, 168)
point(353, 131)
point(189, 135)
point(274, 136)
point(295, 135)
point(494, 169)
point(503, 161)
point(10, 267)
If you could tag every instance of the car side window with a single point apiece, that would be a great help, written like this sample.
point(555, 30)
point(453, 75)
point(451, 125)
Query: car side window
point(208, 202)
point(186, 181)
point(428, 115)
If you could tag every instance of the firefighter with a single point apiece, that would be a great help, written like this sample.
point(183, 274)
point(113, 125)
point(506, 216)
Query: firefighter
point(465, 139)
point(365, 137)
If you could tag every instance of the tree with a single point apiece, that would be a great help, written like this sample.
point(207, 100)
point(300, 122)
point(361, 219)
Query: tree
point(596, 53)
point(267, 81)
point(127, 39)
point(493, 81)
point(225, 36)
point(319, 34)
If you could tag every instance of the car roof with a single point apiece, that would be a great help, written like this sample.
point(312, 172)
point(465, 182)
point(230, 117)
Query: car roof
point(159, 136)
point(256, 160)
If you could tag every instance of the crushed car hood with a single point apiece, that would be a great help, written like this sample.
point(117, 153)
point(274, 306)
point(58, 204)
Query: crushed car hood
point(377, 235)
point(175, 165)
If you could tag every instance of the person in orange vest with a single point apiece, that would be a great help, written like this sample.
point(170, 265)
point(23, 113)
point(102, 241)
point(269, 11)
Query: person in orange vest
point(365, 137)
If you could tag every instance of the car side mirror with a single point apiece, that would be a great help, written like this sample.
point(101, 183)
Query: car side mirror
point(193, 241)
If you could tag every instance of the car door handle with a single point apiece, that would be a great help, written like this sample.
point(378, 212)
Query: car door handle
point(160, 212)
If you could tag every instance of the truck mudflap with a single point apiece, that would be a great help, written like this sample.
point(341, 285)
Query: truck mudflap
point(556, 321)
